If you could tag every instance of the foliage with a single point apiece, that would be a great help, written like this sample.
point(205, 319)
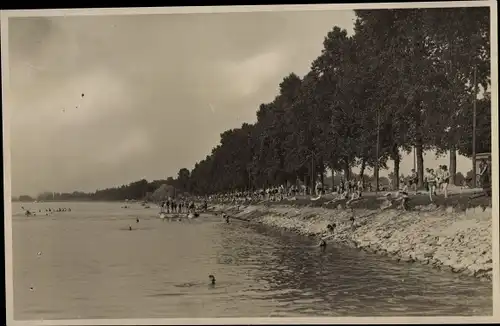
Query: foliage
point(405, 76)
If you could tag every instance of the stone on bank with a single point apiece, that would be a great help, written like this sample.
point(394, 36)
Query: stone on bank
point(460, 241)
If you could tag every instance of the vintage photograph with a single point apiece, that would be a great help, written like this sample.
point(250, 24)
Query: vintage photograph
point(250, 163)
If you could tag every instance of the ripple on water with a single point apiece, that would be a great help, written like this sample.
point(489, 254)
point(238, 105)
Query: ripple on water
point(308, 301)
point(259, 273)
point(166, 294)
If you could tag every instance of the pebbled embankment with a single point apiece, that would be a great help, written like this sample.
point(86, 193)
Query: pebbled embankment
point(441, 237)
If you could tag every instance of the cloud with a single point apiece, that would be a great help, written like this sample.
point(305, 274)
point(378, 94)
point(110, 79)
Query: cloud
point(149, 81)
point(136, 142)
point(79, 101)
point(248, 75)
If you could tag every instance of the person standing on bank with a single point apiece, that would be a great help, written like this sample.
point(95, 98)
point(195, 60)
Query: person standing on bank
point(484, 176)
point(413, 180)
point(426, 181)
point(445, 180)
point(438, 173)
point(432, 182)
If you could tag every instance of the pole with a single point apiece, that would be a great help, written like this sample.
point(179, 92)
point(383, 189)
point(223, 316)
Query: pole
point(414, 158)
point(377, 151)
point(312, 176)
point(333, 180)
point(474, 181)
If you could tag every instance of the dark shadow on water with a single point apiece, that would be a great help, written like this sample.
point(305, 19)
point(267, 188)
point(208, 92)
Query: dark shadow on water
point(166, 295)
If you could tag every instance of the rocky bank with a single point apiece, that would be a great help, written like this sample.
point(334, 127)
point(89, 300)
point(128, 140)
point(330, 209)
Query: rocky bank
point(441, 237)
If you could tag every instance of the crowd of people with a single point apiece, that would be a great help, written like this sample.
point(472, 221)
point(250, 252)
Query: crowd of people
point(47, 211)
point(436, 181)
point(172, 205)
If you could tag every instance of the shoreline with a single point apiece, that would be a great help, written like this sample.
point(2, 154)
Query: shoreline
point(445, 238)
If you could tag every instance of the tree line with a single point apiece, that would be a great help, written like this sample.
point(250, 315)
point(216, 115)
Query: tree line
point(405, 79)
point(138, 190)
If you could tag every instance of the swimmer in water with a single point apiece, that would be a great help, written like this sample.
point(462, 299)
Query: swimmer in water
point(212, 279)
point(331, 229)
point(137, 220)
point(130, 227)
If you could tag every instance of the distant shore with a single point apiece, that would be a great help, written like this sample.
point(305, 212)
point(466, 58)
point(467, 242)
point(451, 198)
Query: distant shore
point(451, 235)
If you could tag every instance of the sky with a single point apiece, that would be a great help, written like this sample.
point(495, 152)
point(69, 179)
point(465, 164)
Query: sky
point(101, 101)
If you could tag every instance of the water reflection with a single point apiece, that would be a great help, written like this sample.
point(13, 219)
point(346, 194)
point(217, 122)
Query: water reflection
point(340, 281)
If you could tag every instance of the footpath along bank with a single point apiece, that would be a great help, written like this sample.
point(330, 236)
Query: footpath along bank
point(460, 241)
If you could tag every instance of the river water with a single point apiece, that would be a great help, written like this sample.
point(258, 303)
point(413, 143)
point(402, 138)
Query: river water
point(88, 264)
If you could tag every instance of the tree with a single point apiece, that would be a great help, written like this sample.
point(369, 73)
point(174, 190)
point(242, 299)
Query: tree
point(163, 192)
point(25, 198)
point(335, 106)
point(183, 179)
point(461, 39)
point(383, 62)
